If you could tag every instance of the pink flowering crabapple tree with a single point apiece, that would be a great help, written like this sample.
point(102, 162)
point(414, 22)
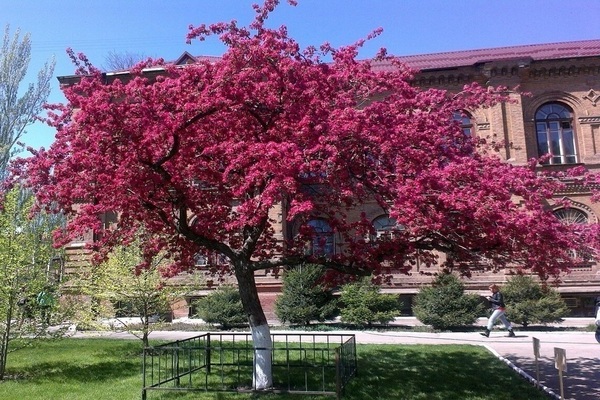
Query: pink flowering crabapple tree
point(200, 157)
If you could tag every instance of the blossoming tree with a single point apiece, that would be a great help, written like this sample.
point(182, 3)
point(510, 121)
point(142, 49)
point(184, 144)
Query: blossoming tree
point(202, 155)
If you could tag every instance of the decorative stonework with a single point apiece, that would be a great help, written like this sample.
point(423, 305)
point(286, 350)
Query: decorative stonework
point(592, 96)
point(572, 70)
point(483, 126)
point(589, 120)
point(450, 79)
point(576, 186)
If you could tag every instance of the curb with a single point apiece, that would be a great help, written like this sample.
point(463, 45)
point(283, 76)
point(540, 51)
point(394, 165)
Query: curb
point(523, 374)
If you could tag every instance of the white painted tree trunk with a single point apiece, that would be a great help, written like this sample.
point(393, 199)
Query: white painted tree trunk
point(261, 337)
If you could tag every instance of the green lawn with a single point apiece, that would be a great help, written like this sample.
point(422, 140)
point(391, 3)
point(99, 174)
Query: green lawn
point(98, 369)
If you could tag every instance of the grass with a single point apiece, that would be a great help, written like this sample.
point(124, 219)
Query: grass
point(105, 369)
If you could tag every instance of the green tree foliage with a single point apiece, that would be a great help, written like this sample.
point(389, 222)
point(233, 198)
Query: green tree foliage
point(128, 288)
point(529, 302)
point(223, 307)
point(364, 305)
point(26, 255)
point(303, 298)
point(444, 305)
point(25, 249)
point(18, 108)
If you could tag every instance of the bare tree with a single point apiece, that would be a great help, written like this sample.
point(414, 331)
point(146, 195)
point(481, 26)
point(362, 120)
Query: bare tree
point(18, 112)
point(121, 61)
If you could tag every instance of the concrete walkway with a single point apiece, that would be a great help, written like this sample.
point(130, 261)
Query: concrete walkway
point(581, 381)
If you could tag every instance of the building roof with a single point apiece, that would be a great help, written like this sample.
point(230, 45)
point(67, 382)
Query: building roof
point(463, 58)
point(454, 59)
point(533, 52)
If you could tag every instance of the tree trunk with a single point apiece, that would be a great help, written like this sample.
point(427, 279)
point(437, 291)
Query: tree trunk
point(145, 331)
point(5, 336)
point(262, 377)
point(3, 352)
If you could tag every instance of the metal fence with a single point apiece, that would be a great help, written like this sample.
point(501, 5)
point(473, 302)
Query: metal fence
point(301, 363)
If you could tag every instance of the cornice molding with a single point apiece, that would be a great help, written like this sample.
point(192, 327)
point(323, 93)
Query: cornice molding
point(576, 186)
point(509, 68)
point(441, 78)
point(564, 70)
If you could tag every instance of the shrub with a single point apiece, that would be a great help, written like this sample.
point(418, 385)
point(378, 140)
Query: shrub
point(223, 307)
point(303, 299)
point(445, 305)
point(529, 302)
point(363, 304)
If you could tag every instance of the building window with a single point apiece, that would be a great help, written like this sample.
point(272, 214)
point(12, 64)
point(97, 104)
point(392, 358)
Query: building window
point(385, 227)
point(555, 136)
point(200, 260)
point(210, 259)
point(323, 243)
point(571, 216)
point(465, 122)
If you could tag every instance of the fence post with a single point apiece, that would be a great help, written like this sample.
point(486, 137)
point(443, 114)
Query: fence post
point(208, 363)
point(176, 362)
point(354, 356)
point(338, 374)
point(144, 374)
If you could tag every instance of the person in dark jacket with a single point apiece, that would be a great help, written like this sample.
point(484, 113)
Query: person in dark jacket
point(498, 312)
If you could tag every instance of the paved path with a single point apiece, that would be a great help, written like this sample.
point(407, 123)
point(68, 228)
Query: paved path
point(581, 381)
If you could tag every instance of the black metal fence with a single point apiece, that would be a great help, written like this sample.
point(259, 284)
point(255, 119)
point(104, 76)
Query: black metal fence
point(301, 363)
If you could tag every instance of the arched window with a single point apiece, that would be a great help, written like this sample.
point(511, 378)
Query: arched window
point(323, 241)
point(465, 122)
point(385, 227)
point(555, 136)
point(571, 216)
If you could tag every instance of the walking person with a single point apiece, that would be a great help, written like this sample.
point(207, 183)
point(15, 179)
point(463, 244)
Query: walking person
point(26, 304)
point(46, 301)
point(498, 312)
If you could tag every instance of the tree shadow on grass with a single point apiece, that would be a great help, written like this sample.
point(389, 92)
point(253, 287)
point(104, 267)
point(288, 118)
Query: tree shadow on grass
point(429, 372)
point(95, 372)
point(81, 361)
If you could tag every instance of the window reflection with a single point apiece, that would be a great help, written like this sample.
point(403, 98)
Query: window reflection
point(385, 227)
point(323, 239)
point(465, 122)
point(555, 136)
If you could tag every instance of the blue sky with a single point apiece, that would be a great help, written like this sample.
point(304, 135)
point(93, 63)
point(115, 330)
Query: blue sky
point(157, 28)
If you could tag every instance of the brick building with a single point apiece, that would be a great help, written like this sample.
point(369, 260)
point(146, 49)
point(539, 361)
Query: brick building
point(557, 110)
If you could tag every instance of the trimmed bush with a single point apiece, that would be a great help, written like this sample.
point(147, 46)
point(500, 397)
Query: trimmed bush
point(529, 302)
point(444, 305)
point(364, 305)
point(303, 298)
point(222, 307)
